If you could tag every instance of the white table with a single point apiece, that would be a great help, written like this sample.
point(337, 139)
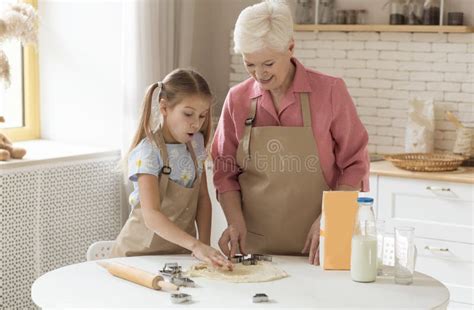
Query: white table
point(89, 285)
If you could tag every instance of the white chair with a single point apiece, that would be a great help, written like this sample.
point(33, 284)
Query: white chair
point(99, 250)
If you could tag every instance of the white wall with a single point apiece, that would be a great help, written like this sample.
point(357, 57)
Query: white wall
point(80, 71)
point(214, 21)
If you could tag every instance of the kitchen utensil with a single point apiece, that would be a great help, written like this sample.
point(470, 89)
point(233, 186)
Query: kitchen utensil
point(171, 269)
point(180, 298)
point(261, 257)
point(238, 258)
point(453, 119)
point(326, 12)
point(341, 16)
point(351, 17)
point(397, 12)
point(361, 17)
point(305, 12)
point(414, 12)
point(138, 276)
point(431, 12)
point(249, 261)
point(456, 18)
point(260, 297)
point(182, 281)
point(425, 162)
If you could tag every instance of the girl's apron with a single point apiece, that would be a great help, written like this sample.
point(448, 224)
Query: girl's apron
point(178, 203)
point(281, 183)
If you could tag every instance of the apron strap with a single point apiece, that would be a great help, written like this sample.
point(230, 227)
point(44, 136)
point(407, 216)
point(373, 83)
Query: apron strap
point(193, 156)
point(305, 109)
point(248, 127)
point(166, 169)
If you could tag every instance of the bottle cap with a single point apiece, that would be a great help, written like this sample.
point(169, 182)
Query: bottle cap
point(365, 200)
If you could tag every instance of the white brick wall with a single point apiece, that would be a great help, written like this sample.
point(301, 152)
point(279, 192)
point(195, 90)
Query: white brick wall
point(384, 70)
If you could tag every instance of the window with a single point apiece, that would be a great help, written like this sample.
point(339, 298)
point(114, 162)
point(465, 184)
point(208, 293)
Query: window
point(19, 104)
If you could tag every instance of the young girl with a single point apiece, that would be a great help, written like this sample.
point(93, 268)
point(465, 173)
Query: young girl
point(165, 164)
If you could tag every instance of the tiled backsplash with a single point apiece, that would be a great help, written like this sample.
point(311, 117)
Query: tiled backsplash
point(384, 70)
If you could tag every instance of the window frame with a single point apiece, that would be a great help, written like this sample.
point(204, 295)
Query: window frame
point(31, 112)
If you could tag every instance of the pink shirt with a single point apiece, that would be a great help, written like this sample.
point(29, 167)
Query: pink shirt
point(339, 134)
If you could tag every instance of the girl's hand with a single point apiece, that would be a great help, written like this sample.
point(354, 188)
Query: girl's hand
point(211, 256)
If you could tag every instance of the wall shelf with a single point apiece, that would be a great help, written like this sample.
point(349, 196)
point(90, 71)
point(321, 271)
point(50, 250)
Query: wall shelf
point(385, 28)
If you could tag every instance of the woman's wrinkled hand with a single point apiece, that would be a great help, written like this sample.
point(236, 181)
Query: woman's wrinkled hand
point(312, 242)
point(235, 236)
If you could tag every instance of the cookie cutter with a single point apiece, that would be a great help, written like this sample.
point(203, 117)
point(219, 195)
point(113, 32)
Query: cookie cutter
point(171, 269)
point(249, 261)
point(179, 298)
point(182, 281)
point(260, 297)
point(262, 257)
point(237, 258)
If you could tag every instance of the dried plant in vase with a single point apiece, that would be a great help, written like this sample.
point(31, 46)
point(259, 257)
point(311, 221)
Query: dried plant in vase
point(18, 21)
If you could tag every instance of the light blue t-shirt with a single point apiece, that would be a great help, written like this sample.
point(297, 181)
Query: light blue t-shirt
point(145, 158)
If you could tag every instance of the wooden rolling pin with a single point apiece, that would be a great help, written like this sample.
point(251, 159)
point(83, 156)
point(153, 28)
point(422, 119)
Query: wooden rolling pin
point(138, 276)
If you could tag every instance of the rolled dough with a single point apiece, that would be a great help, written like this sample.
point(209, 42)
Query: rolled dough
point(262, 272)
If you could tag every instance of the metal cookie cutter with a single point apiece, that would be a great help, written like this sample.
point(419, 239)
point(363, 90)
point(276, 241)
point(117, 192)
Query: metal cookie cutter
point(179, 298)
point(249, 261)
point(238, 258)
point(262, 257)
point(171, 269)
point(182, 281)
point(260, 297)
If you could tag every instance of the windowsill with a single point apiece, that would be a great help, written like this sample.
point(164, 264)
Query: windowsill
point(47, 151)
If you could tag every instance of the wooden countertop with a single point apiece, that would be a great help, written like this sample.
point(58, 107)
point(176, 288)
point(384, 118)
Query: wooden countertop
point(461, 175)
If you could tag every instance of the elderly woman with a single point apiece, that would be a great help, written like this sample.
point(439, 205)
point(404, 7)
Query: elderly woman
point(285, 135)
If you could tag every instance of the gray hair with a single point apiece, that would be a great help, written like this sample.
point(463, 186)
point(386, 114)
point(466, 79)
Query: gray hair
point(266, 24)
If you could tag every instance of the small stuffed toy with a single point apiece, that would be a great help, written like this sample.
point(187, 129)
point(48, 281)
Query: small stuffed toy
point(7, 150)
point(18, 21)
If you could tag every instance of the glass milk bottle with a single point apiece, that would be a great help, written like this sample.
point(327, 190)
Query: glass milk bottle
point(364, 243)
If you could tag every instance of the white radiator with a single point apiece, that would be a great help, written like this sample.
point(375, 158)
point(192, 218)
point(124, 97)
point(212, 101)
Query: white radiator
point(51, 211)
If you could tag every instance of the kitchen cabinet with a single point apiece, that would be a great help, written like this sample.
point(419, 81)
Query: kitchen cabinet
point(442, 214)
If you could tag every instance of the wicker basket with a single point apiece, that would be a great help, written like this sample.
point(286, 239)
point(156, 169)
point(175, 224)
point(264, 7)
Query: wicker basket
point(426, 162)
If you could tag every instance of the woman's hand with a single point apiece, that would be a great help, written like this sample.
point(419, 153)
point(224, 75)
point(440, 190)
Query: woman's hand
point(236, 236)
point(312, 242)
point(211, 256)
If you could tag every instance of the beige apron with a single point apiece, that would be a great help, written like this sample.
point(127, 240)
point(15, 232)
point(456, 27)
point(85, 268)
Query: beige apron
point(178, 203)
point(281, 184)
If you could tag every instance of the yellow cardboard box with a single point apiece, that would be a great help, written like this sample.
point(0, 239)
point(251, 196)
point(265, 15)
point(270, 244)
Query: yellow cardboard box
point(337, 223)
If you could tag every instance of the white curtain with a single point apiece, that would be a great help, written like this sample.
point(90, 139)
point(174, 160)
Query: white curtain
point(157, 38)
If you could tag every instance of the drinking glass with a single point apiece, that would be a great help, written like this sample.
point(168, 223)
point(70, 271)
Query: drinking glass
point(405, 254)
point(380, 226)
